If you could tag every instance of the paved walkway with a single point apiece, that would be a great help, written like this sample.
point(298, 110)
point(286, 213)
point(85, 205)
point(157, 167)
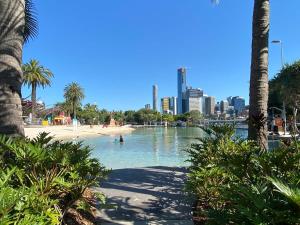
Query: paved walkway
point(152, 195)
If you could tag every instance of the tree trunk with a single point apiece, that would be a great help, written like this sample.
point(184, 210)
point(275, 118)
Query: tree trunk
point(74, 110)
point(33, 102)
point(12, 21)
point(259, 74)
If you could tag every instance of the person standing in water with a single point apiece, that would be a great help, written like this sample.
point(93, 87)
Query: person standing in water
point(121, 139)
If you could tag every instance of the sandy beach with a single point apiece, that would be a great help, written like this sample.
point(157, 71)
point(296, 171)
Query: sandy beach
point(61, 132)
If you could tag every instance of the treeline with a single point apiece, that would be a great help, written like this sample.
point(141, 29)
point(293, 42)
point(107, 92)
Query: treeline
point(92, 115)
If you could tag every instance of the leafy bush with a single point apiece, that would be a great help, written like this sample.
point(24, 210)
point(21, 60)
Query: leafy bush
point(42, 179)
point(235, 182)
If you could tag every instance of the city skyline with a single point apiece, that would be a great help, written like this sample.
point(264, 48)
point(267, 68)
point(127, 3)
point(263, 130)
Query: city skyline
point(190, 99)
point(146, 42)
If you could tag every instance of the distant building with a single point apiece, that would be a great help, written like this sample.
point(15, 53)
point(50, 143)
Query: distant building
point(239, 104)
point(218, 108)
point(229, 99)
point(147, 106)
point(165, 105)
point(203, 103)
point(210, 105)
point(224, 106)
point(173, 105)
point(155, 97)
point(181, 90)
point(231, 111)
point(193, 99)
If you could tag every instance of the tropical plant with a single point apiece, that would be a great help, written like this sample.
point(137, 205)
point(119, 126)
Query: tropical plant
point(233, 180)
point(74, 94)
point(42, 179)
point(17, 25)
point(34, 76)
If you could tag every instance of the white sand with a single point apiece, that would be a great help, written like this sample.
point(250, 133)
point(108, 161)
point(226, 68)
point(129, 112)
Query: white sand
point(61, 132)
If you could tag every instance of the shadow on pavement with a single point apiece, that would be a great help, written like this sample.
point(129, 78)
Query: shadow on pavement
point(151, 193)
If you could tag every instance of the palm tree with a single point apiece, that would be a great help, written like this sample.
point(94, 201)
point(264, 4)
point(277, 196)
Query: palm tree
point(17, 24)
point(259, 88)
point(35, 75)
point(74, 94)
point(257, 130)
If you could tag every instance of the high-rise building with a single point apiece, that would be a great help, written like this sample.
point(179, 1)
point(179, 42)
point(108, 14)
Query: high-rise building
point(165, 105)
point(210, 105)
point(224, 106)
point(181, 90)
point(229, 99)
point(147, 106)
point(239, 104)
point(203, 103)
point(155, 97)
point(173, 105)
point(193, 99)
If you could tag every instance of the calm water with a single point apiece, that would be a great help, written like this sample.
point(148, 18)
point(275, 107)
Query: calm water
point(146, 147)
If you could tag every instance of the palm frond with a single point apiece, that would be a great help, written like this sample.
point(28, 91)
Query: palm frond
point(31, 23)
point(291, 193)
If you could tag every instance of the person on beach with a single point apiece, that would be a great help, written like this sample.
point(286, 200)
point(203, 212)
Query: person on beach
point(121, 139)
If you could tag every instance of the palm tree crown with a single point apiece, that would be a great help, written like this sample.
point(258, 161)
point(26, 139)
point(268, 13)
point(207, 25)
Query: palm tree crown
point(74, 94)
point(36, 74)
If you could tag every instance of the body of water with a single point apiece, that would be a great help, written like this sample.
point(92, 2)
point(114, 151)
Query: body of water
point(146, 147)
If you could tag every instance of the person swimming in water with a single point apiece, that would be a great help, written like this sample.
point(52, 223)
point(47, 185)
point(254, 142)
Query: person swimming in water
point(121, 139)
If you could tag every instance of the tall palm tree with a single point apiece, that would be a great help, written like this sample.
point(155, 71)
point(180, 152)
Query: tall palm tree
point(17, 24)
point(35, 75)
point(259, 73)
point(74, 94)
point(259, 87)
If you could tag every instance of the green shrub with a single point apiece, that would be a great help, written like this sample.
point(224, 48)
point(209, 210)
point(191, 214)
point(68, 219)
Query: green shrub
point(42, 178)
point(235, 182)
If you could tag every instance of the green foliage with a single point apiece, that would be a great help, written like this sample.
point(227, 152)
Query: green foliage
point(230, 178)
point(42, 178)
point(285, 86)
point(89, 114)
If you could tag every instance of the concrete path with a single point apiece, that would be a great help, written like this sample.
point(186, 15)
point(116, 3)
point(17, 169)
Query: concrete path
point(152, 195)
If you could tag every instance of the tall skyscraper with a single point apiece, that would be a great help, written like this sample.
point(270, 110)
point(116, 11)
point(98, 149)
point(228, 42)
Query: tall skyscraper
point(173, 105)
point(203, 104)
point(155, 96)
point(181, 90)
point(210, 103)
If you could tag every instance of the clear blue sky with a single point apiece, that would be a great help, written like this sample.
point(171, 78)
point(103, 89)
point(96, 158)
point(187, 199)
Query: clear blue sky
point(116, 49)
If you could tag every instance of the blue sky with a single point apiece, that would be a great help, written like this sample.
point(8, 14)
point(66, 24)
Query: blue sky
point(116, 49)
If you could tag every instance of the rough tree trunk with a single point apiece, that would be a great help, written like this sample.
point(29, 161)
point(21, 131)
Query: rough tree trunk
point(12, 21)
point(259, 73)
